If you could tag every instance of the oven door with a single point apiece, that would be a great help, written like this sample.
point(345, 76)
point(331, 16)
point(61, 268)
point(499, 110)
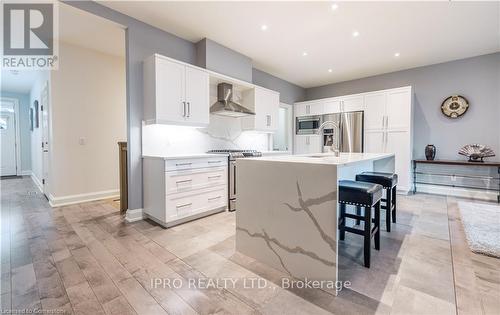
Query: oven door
point(232, 185)
point(307, 125)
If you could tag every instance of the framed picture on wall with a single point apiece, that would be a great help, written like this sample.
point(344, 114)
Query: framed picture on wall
point(37, 115)
point(31, 118)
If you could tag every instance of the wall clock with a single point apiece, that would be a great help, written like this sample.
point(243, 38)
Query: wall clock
point(454, 106)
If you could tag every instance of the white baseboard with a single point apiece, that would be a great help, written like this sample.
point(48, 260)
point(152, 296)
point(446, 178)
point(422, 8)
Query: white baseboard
point(38, 183)
point(134, 215)
point(457, 192)
point(73, 199)
point(25, 173)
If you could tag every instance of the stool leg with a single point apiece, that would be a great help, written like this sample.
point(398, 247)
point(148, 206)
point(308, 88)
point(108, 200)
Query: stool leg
point(388, 206)
point(377, 225)
point(342, 222)
point(367, 234)
point(358, 212)
point(394, 193)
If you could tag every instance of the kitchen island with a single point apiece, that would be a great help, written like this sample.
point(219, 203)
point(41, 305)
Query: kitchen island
point(287, 209)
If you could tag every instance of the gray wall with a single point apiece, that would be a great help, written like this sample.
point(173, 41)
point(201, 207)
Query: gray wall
point(289, 93)
point(24, 127)
point(477, 79)
point(143, 40)
point(218, 58)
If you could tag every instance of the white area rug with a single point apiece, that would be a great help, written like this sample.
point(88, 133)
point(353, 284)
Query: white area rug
point(482, 227)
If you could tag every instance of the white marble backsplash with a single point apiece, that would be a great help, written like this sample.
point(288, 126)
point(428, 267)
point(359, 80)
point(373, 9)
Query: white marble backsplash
point(221, 133)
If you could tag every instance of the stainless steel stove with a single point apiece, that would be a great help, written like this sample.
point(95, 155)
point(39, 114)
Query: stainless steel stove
point(233, 155)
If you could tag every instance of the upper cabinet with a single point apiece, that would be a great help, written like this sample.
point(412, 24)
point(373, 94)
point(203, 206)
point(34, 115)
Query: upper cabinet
point(349, 103)
point(309, 108)
point(388, 110)
point(175, 93)
point(352, 103)
point(266, 104)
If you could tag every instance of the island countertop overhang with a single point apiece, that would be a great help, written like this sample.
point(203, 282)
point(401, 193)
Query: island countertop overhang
point(324, 158)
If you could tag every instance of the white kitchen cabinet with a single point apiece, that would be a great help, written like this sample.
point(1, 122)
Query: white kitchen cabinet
point(266, 105)
point(179, 190)
point(305, 144)
point(389, 129)
point(175, 93)
point(332, 106)
point(352, 103)
point(375, 108)
point(309, 108)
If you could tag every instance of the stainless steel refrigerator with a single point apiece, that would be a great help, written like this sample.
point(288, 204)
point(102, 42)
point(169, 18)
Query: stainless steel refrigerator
point(345, 132)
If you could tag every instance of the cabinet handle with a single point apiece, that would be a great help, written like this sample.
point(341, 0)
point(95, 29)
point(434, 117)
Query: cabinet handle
point(188, 109)
point(214, 176)
point(183, 109)
point(183, 164)
point(183, 181)
point(184, 205)
point(214, 161)
point(214, 198)
point(386, 122)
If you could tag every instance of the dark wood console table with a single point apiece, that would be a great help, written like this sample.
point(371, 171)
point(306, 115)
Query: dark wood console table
point(493, 181)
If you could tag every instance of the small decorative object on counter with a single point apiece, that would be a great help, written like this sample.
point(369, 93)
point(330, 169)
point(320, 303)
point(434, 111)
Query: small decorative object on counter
point(476, 152)
point(454, 106)
point(430, 152)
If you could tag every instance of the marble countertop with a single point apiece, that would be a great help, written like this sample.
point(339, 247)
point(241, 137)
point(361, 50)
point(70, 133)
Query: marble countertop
point(324, 158)
point(182, 156)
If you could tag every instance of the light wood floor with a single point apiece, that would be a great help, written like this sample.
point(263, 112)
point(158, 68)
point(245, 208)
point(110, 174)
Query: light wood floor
point(85, 259)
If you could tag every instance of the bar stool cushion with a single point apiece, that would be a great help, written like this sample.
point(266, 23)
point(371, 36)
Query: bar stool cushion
point(359, 193)
point(388, 180)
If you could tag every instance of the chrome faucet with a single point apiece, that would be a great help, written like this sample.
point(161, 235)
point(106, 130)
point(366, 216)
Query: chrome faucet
point(335, 128)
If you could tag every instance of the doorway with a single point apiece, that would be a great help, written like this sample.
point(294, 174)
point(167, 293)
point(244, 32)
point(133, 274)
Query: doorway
point(9, 137)
point(283, 137)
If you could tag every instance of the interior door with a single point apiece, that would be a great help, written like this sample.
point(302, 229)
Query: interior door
point(375, 104)
point(44, 98)
point(170, 91)
point(197, 96)
point(8, 165)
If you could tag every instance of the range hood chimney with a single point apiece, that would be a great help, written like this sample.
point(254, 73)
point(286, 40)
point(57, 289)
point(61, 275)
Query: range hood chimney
point(225, 105)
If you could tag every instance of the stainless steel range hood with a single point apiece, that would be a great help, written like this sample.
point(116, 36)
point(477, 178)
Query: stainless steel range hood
point(225, 105)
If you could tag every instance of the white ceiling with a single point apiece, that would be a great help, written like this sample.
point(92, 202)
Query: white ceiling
point(79, 28)
point(18, 81)
point(422, 32)
point(84, 29)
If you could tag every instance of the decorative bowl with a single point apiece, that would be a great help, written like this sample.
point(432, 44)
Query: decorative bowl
point(476, 152)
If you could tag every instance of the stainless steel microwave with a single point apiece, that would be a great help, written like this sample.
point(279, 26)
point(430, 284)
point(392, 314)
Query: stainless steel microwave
point(307, 125)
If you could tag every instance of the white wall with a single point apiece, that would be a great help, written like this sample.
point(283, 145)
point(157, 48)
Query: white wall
point(88, 103)
point(222, 133)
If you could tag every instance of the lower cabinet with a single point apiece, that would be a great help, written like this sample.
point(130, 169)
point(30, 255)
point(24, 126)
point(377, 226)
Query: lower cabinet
point(176, 191)
point(305, 144)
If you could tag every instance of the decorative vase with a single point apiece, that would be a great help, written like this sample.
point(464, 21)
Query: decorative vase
point(430, 152)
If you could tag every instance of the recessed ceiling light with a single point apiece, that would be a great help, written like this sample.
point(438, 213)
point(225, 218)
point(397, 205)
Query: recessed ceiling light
point(396, 54)
point(304, 53)
point(330, 70)
point(263, 27)
point(355, 34)
point(335, 6)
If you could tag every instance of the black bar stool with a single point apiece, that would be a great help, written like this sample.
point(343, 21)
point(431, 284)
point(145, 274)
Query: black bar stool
point(368, 196)
point(389, 181)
